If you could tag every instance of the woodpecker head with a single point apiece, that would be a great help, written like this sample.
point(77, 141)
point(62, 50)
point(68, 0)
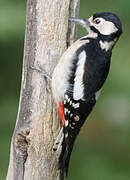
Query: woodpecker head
point(103, 25)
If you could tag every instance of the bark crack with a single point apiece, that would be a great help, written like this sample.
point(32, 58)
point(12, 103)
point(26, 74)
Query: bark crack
point(73, 12)
point(22, 141)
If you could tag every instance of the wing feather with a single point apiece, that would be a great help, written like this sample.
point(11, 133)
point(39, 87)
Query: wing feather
point(78, 91)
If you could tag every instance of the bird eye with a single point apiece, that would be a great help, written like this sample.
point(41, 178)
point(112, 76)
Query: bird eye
point(97, 21)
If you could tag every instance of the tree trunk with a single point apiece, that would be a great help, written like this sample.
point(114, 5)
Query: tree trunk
point(48, 34)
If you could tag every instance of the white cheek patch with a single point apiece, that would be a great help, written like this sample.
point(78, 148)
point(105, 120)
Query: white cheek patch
point(78, 81)
point(107, 28)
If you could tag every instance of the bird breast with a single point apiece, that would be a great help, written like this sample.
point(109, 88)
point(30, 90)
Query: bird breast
point(63, 70)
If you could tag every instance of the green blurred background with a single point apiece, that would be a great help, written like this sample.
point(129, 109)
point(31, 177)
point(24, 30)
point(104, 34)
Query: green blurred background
point(102, 150)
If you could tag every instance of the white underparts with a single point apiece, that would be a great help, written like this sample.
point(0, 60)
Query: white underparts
point(78, 81)
point(63, 71)
point(106, 45)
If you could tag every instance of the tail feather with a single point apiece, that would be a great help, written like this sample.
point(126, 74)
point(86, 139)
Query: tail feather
point(67, 160)
point(67, 147)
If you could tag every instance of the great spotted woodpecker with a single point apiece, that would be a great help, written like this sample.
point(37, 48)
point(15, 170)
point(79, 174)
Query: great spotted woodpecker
point(81, 73)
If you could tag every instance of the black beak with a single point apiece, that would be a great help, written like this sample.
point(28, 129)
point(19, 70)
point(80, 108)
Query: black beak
point(83, 22)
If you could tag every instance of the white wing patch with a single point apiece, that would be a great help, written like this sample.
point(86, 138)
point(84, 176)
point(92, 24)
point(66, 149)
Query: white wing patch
point(78, 81)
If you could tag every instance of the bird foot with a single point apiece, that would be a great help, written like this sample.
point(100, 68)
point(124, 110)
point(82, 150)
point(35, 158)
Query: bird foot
point(42, 71)
point(38, 68)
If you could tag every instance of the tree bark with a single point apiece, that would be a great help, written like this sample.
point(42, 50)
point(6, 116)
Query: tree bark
point(48, 33)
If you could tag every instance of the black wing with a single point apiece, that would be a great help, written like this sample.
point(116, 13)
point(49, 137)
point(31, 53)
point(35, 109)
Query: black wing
point(94, 78)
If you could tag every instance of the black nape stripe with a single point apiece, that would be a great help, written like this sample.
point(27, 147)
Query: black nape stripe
point(94, 29)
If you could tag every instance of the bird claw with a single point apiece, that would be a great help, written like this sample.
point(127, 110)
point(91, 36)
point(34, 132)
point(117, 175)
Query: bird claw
point(39, 69)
